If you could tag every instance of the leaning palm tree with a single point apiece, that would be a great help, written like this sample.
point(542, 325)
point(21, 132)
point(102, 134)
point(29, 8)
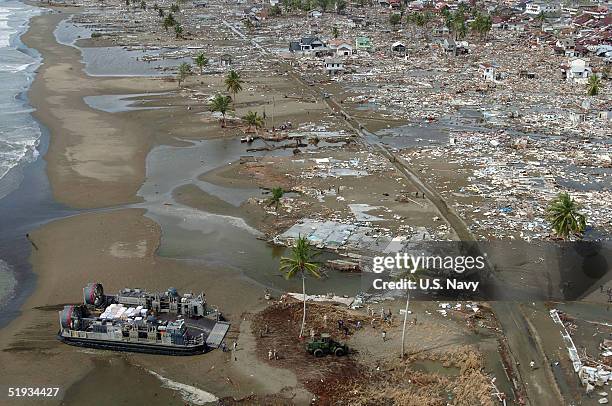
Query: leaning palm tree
point(301, 263)
point(277, 195)
point(184, 70)
point(253, 120)
point(201, 61)
point(593, 85)
point(233, 84)
point(220, 104)
point(541, 18)
point(565, 217)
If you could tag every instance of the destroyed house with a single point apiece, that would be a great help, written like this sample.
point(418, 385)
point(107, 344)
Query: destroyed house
point(398, 47)
point(577, 70)
point(306, 44)
point(340, 47)
point(489, 71)
point(334, 66)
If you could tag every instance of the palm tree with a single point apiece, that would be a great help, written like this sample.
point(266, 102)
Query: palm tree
point(201, 61)
point(593, 85)
point(340, 6)
point(253, 120)
point(233, 84)
point(169, 21)
point(174, 8)
point(184, 70)
point(564, 216)
point(277, 195)
point(178, 30)
point(395, 19)
point(220, 104)
point(541, 18)
point(300, 263)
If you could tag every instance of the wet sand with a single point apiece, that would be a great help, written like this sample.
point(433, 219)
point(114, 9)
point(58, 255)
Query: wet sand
point(96, 159)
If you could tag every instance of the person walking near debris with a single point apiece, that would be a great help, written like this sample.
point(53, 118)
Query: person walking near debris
point(269, 355)
point(235, 345)
point(223, 347)
point(384, 336)
point(358, 324)
point(346, 331)
point(340, 324)
point(325, 320)
point(275, 354)
point(312, 333)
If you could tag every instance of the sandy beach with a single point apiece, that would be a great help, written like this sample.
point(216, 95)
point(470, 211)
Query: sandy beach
point(97, 160)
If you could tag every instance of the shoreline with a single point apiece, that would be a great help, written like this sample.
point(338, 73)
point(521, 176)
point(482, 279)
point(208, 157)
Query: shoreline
point(107, 245)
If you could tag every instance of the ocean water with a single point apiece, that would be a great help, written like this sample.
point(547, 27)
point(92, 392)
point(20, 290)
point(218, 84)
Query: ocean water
point(19, 133)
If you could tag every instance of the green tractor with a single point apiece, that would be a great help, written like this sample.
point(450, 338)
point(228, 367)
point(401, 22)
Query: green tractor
point(325, 345)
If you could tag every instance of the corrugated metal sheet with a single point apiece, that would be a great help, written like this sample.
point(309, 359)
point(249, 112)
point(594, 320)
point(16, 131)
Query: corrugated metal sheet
point(217, 334)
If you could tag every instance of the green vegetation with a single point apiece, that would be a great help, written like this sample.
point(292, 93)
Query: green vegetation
point(274, 11)
point(542, 19)
point(565, 217)
point(482, 24)
point(174, 8)
point(277, 195)
point(178, 30)
point(395, 19)
point(201, 61)
point(220, 104)
point(233, 84)
point(169, 21)
point(253, 120)
point(335, 32)
point(593, 85)
point(184, 70)
point(301, 263)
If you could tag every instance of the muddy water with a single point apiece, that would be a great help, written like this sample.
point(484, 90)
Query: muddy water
point(225, 241)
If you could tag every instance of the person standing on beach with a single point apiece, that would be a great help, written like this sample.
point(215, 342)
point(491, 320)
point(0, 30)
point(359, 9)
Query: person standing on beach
point(31, 242)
